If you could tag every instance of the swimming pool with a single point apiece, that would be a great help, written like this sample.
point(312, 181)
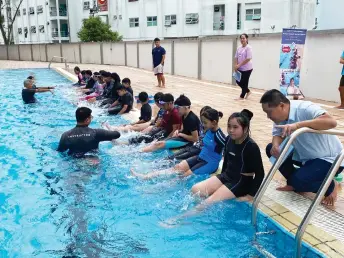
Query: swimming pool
point(52, 206)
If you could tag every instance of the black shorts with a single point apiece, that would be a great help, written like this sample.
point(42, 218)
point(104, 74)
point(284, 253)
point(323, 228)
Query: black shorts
point(199, 166)
point(228, 182)
point(341, 81)
point(243, 187)
point(186, 153)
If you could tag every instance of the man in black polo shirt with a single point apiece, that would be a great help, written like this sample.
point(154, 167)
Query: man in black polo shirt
point(28, 93)
point(82, 139)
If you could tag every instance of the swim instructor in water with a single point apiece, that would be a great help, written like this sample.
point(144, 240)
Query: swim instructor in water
point(28, 93)
point(83, 139)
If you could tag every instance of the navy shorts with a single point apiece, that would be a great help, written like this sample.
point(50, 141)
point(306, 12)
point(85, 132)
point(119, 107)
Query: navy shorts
point(199, 166)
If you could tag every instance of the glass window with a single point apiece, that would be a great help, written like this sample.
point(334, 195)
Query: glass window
point(191, 18)
point(133, 22)
point(152, 21)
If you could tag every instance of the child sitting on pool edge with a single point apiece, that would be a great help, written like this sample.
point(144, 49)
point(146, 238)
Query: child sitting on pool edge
point(207, 162)
point(123, 104)
point(145, 116)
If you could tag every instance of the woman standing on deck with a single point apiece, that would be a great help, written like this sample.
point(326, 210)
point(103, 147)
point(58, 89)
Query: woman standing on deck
point(243, 64)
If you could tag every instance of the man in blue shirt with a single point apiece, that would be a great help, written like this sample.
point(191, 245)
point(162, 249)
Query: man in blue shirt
point(341, 84)
point(313, 153)
point(159, 54)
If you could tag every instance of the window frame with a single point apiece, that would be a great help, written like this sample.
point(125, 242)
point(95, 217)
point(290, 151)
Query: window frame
point(134, 21)
point(191, 18)
point(172, 18)
point(151, 22)
point(255, 15)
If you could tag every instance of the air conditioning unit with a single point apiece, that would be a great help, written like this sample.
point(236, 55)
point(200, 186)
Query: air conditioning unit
point(115, 17)
point(256, 17)
point(20, 31)
point(40, 9)
point(24, 11)
point(33, 29)
point(86, 5)
point(41, 28)
point(167, 23)
point(31, 10)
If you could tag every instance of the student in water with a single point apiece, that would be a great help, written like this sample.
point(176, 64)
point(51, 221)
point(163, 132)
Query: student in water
point(30, 89)
point(207, 162)
point(242, 171)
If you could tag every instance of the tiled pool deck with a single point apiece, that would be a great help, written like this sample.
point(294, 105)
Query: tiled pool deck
point(327, 235)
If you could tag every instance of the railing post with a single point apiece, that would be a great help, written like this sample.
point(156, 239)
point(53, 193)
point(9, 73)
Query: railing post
point(80, 53)
point(172, 57)
point(18, 47)
point(125, 54)
point(31, 52)
point(61, 51)
point(138, 54)
point(101, 53)
point(8, 56)
point(234, 49)
point(46, 53)
point(199, 73)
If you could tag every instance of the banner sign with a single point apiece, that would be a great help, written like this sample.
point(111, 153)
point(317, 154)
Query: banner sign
point(103, 5)
point(291, 55)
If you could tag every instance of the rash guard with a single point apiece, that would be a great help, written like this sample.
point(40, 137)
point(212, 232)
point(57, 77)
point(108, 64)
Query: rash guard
point(82, 139)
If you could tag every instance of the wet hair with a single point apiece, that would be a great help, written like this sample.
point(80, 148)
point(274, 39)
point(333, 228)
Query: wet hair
point(76, 69)
point(158, 96)
point(244, 118)
point(212, 114)
point(126, 80)
point(30, 77)
point(88, 72)
point(27, 82)
point(273, 98)
point(205, 108)
point(245, 35)
point(156, 39)
point(116, 77)
point(143, 96)
point(83, 72)
point(82, 113)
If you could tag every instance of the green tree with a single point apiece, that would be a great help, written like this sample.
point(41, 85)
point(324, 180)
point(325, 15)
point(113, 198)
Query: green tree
point(95, 30)
point(7, 19)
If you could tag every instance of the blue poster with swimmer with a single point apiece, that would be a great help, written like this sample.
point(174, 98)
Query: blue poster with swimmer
point(291, 55)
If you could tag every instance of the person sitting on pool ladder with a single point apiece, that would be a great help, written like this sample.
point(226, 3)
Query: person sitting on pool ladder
point(207, 162)
point(83, 139)
point(30, 89)
point(123, 104)
point(189, 132)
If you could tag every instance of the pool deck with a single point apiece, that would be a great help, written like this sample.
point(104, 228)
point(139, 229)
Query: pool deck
point(327, 230)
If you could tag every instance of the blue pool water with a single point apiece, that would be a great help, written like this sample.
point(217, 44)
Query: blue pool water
point(53, 206)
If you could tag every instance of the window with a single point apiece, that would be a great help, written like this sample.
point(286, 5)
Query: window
point(86, 5)
point(170, 20)
point(33, 29)
point(20, 30)
point(253, 14)
point(24, 11)
point(152, 21)
point(41, 28)
point(133, 22)
point(40, 9)
point(31, 10)
point(191, 18)
point(25, 32)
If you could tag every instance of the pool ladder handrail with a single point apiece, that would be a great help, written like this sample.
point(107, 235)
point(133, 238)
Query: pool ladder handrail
point(58, 57)
point(322, 190)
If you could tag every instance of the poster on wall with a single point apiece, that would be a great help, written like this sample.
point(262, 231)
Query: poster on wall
point(103, 5)
point(291, 55)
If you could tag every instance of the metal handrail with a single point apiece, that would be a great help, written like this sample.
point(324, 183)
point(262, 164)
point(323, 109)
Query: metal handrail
point(59, 57)
point(320, 193)
point(323, 188)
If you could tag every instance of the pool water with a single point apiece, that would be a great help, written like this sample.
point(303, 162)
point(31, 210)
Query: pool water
point(54, 206)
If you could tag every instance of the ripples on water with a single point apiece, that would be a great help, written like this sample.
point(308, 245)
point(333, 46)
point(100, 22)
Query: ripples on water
point(53, 206)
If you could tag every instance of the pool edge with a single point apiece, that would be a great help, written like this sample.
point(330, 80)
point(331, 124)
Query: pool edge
point(277, 214)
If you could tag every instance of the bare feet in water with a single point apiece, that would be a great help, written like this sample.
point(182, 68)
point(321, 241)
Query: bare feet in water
point(135, 174)
point(286, 188)
point(331, 199)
